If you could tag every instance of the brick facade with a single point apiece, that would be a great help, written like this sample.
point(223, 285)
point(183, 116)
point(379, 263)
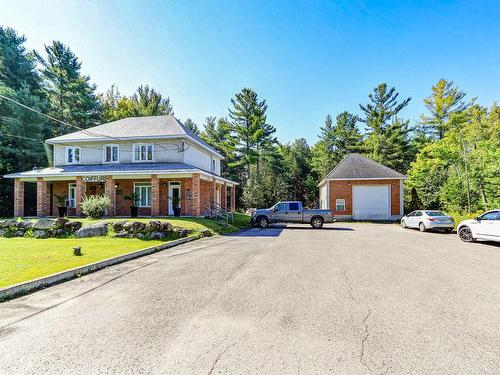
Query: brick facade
point(342, 189)
point(42, 198)
point(233, 199)
point(155, 195)
point(196, 196)
point(18, 198)
point(110, 191)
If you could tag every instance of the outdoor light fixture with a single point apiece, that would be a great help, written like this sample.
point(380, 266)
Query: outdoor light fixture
point(116, 186)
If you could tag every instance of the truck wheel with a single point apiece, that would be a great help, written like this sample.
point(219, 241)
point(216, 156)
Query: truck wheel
point(317, 223)
point(263, 222)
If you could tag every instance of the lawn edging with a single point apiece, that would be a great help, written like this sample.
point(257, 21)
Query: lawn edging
point(26, 287)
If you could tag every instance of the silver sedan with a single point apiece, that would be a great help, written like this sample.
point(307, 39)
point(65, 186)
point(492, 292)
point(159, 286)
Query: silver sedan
point(427, 220)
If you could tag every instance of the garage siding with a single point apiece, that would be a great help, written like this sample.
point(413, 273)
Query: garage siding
point(342, 189)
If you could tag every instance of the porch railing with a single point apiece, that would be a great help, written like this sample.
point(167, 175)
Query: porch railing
point(217, 212)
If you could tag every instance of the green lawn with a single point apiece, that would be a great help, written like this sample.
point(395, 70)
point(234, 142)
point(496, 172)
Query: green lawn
point(23, 259)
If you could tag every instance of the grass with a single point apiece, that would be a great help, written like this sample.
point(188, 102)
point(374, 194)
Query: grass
point(23, 259)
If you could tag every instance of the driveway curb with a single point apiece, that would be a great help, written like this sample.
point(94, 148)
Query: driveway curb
point(17, 290)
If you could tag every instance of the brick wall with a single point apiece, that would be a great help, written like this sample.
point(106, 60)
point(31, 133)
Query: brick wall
point(18, 198)
point(343, 190)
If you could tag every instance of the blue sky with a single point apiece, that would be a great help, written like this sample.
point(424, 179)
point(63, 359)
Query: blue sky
point(306, 59)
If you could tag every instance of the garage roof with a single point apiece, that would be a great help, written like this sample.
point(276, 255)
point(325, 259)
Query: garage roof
point(356, 166)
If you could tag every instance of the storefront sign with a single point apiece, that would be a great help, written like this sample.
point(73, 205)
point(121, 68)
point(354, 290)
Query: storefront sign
point(94, 178)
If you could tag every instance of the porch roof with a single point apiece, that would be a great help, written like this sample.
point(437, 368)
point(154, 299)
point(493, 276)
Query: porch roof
point(115, 169)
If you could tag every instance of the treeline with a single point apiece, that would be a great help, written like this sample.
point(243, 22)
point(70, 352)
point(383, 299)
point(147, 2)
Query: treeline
point(451, 155)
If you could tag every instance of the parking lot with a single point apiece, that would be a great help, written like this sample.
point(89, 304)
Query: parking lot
point(350, 298)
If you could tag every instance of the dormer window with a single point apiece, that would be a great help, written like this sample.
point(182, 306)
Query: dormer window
point(111, 153)
point(72, 155)
point(143, 152)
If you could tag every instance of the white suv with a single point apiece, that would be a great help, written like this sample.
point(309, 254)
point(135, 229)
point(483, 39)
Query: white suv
point(484, 227)
point(428, 219)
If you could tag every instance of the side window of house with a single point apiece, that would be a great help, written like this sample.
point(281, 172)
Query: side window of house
point(143, 190)
point(73, 155)
point(111, 153)
point(72, 195)
point(143, 152)
point(340, 204)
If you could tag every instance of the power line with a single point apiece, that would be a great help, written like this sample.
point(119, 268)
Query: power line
point(85, 131)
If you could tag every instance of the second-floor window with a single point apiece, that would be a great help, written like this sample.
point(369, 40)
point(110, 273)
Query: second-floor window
point(213, 165)
point(111, 153)
point(72, 155)
point(143, 152)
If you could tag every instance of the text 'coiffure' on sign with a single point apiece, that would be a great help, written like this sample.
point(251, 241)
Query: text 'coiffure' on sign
point(94, 178)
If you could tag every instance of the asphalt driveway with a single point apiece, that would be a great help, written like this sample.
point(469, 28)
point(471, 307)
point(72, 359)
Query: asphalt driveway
point(351, 298)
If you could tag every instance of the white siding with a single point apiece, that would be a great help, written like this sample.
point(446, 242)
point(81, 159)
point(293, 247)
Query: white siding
point(92, 153)
point(200, 158)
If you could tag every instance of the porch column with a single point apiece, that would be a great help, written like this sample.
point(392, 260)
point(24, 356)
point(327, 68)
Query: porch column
point(195, 196)
point(42, 198)
point(80, 192)
point(233, 198)
point(213, 190)
point(110, 191)
point(223, 196)
point(18, 198)
point(155, 195)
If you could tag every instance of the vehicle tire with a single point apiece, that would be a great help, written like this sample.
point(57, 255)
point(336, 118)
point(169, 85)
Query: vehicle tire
point(422, 227)
point(403, 224)
point(317, 222)
point(263, 222)
point(465, 234)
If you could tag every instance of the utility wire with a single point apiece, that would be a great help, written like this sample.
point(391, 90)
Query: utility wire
point(85, 131)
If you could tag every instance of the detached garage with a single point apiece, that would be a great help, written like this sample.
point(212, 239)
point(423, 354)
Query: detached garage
point(361, 189)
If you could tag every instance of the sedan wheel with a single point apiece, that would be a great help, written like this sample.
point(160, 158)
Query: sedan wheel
point(403, 224)
point(422, 227)
point(465, 234)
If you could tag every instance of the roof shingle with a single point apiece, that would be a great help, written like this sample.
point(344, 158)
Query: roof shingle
point(357, 166)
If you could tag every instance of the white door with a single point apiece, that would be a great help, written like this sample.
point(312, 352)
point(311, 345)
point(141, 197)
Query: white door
point(489, 226)
point(174, 190)
point(371, 202)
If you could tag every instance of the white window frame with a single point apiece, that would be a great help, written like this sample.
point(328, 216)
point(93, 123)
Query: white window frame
point(72, 201)
point(72, 148)
point(138, 189)
point(135, 145)
point(339, 202)
point(104, 151)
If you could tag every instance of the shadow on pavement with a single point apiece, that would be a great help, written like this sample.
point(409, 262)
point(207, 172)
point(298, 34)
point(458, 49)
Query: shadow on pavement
point(275, 230)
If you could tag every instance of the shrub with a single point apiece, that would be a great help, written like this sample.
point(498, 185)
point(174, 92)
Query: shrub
point(95, 206)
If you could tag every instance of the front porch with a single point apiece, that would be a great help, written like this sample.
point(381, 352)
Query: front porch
point(194, 191)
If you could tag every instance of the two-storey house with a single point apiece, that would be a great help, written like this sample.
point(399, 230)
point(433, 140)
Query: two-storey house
point(158, 158)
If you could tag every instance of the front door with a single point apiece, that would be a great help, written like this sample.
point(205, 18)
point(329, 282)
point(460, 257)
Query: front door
point(174, 196)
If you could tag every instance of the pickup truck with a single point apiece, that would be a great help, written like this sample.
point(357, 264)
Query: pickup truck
point(291, 212)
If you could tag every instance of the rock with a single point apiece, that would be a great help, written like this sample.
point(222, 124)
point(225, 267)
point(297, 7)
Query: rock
point(19, 233)
point(73, 226)
point(157, 236)
point(40, 233)
point(206, 233)
point(9, 223)
point(138, 227)
point(59, 232)
point(154, 225)
point(2, 232)
point(99, 229)
point(118, 226)
point(121, 234)
point(140, 236)
point(44, 223)
point(180, 232)
point(166, 226)
point(25, 224)
point(127, 226)
point(59, 223)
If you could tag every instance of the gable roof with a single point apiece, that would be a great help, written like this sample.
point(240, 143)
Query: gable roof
point(356, 166)
point(150, 127)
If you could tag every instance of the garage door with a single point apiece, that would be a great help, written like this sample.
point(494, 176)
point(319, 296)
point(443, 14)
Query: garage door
point(371, 202)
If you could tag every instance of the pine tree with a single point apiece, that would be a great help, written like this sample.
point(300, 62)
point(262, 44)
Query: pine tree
point(191, 125)
point(254, 135)
point(150, 102)
point(445, 101)
point(383, 107)
point(70, 94)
